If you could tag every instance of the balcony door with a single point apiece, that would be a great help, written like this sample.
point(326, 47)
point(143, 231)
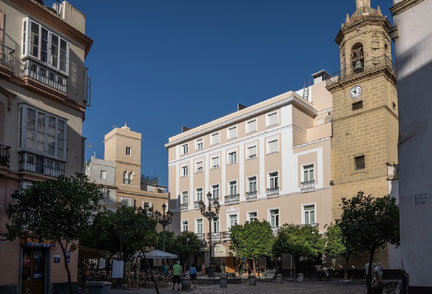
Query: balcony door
point(34, 269)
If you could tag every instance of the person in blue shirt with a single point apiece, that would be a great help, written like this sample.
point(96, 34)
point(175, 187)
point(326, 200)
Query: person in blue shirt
point(192, 274)
point(164, 269)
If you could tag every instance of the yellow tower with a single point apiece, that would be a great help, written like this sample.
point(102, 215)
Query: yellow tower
point(365, 116)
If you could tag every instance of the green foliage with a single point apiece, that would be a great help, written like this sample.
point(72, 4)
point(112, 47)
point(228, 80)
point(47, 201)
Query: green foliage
point(170, 241)
point(335, 245)
point(252, 240)
point(187, 243)
point(299, 241)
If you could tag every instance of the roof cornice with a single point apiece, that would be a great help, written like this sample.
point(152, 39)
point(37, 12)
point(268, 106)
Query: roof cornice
point(403, 5)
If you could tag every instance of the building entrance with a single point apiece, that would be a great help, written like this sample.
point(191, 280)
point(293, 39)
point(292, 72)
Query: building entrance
point(33, 271)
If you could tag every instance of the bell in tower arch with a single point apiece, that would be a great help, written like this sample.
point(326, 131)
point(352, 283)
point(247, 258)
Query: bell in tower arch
point(357, 58)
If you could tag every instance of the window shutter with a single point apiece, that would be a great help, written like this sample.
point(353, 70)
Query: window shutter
point(2, 24)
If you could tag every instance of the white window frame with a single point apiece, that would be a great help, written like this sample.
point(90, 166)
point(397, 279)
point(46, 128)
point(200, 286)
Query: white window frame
point(103, 174)
point(129, 201)
point(185, 222)
point(199, 166)
point(216, 225)
point(218, 189)
point(248, 155)
point(248, 215)
point(202, 194)
point(199, 144)
point(269, 179)
point(212, 162)
point(231, 132)
point(229, 219)
point(271, 140)
point(212, 138)
point(256, 183)
point(184, 148)
point(26, 43)
point(183, 173)
point(268, 123)
point(130, 151)
point(269, 216)
point(196, 226)
point(229, 187)
point(183, 194)
point(303, 219)
point(229, 157)
point(303, 172)
point(248, 130)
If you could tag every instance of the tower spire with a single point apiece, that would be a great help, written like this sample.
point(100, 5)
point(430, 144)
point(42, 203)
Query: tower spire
point(362, 3)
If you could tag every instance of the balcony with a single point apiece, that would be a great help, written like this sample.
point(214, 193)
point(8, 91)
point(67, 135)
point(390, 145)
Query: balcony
point(197, 204)
point(308, 186)
point(4, 155)
point(272, 192)
point(41, 165)
point(275, 231)
point(382, 62)
point(251, 195)
point(232, 199)
point(226, 236)
point(7, 56)
point(45, 75)
point(184, 206)
point(200, 236)
point(216, 237)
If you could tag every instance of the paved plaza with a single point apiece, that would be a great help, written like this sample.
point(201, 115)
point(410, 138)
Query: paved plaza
point(309, 287)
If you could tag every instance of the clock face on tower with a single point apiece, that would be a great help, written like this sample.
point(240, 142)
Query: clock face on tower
point(355, 92)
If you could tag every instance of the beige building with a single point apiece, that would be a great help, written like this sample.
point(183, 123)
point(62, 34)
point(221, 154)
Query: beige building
point(270, 161)
point(120, 172)
point(43, 97)
point(365, 111)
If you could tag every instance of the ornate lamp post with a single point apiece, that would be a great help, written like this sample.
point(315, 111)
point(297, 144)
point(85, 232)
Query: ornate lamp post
point(211, 213)
point(164, 219)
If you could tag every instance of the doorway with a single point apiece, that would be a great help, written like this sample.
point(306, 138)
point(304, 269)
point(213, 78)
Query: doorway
point(33, 271)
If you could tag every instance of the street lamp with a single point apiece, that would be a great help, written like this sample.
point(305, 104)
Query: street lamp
point(211, 213)
point(164, 219)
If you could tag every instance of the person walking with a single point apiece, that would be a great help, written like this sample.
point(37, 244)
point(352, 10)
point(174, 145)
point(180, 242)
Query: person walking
point(193, 274)
point(177, 271)
point(203, 269)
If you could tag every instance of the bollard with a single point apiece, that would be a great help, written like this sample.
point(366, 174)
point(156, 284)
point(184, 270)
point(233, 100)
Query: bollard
point(185, 283)
point(279, 278)
point(300, 278)
point(252, 280)
point(223, 280)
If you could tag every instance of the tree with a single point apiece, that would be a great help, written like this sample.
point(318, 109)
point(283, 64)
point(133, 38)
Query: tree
point(300, 241)
point(370, 223)
point(252, 240)
point(170, 241)
point(336, 245)
point(60, 210)
point(186, 244)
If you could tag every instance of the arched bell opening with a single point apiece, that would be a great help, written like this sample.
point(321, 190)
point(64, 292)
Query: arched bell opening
point(357, 58)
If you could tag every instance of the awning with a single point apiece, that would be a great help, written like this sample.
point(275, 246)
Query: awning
point(87, 252)
point(155, 254)
point(222, 250)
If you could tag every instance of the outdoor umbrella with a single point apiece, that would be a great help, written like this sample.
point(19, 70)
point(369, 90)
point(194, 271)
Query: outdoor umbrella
point(155, 254)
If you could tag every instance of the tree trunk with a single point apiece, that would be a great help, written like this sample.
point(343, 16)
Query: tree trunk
point(254, 266)
point(346, 267)
point(369, 274)
point(63, 248)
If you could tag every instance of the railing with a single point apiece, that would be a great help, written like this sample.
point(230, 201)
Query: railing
point(197, 204)
point(4, 155)
point(7, 56)
point(226, 236)
point(41, 165)
point(45, 75)
point(273, 192)
point(216, 237)
point(251, 195)
point(184, 206)
point(308, 186)
point(374, 63)
point(234, 198)
point(200, 236)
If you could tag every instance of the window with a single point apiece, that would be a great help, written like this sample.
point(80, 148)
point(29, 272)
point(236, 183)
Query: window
point(184, 171)
point(232, 220)
point(42, 132)
point(129, 180)
point(308, 173)
point(199, 194)
point(185, 149)
point(272, 119)
point(128, 151)
point(130, 202)
point(185, 226)
point(274, 218)
point(45, 46)
point(215, 162)
point(215, 225)
point(272, 146)
point(232, 157)
point(233, 187)
point(215, 192)
point(214, 139)
point(251, 126)
point(309, 214)
point(252, 184)
point(274, 180)
point(357, 105)
point(199, 167)
point(199, 226)
point(231, 132)
point(147, 205)
point(251, 152)
point(103, 174)
point(185, 197)
point(199, 144)
point(359, 162)
point(252, 216)
point(125, 177)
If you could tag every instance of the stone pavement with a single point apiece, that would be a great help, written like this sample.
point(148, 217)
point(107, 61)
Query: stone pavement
point(308, 287)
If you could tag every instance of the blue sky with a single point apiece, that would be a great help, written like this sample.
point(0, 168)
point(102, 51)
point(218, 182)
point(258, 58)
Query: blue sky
point(161, 64)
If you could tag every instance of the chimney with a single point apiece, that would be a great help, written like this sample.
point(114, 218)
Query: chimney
point(184, 129)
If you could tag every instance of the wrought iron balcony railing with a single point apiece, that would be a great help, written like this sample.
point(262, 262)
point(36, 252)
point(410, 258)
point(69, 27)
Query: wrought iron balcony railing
point(4, 155)
point(45, 75)
point(273, 192)
point(372, 64)
point(251, 195)
point(41, 165)
point(216, 237)
point(231, 199)
point(184, 206)
point(7, 56)
point(308, 186)
point(226, 236)
point(200, 236)
point(197, 204)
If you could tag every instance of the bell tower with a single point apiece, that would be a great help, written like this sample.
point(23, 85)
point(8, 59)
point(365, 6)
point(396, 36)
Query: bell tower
point(365, 116)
